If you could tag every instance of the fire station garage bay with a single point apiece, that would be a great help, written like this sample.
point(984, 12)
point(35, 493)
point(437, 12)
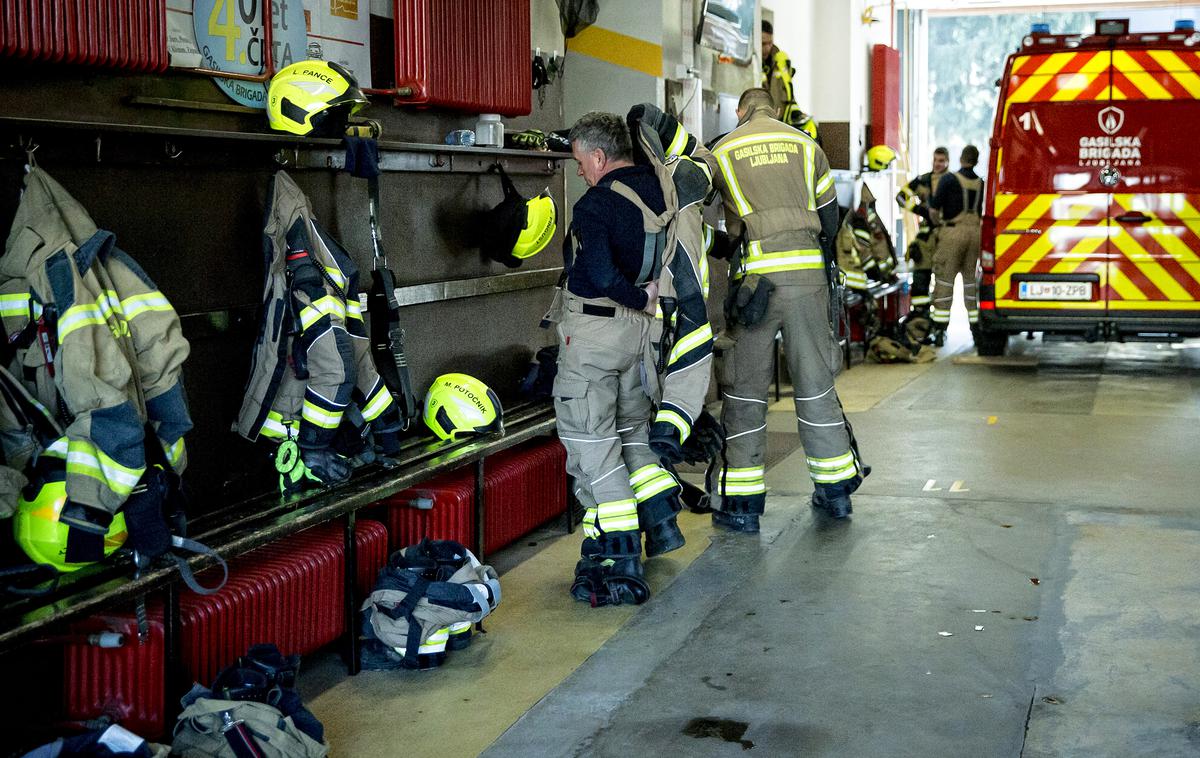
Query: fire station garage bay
point(600, 378)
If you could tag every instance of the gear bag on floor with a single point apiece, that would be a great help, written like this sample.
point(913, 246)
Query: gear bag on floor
point(428, 595)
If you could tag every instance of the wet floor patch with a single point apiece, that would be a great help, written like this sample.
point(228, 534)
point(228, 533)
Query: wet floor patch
point(722, 729)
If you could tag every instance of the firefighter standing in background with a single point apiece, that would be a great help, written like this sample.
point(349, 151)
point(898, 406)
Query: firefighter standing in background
point(957, 206)
point(777, 74)
point(602, 407)
point(914, 197)
point(779, 197)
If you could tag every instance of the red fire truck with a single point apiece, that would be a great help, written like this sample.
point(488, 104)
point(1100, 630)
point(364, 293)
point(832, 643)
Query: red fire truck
point(1091, 228)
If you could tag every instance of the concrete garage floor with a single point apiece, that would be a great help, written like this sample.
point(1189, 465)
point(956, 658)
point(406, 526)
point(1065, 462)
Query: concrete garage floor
point(1019, 578)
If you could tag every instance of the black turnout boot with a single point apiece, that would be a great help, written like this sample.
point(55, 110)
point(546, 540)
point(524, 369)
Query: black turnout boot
point(657, 518)
point(739, 513)
point(834, 499)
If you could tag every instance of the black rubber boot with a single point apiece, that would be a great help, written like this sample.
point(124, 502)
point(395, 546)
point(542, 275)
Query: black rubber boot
point(657, 518)
point(746, 523)
point(834, 499)
point(610, 581)
point(837, 506)
point(663, 538)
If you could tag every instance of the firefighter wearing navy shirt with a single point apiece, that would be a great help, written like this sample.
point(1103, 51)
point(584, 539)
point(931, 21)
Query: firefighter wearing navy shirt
point(601, 402)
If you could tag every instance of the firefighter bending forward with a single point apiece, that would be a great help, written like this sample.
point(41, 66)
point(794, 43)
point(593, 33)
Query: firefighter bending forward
point(957, 206)
point(778, 192)
point(603, 408)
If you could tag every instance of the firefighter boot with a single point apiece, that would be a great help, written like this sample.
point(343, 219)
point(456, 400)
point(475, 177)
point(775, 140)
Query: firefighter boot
point(739, 513)
point(610, 581)
point(937, 336)
point(657, 518)
point(834, 499)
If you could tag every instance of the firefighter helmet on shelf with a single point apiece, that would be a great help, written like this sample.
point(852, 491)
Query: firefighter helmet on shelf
point(880, 157)
point(458, 405)
point(43, 536)
point(313, 98)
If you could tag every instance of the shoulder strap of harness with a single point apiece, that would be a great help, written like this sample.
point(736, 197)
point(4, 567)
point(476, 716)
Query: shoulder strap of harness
point(655, 227)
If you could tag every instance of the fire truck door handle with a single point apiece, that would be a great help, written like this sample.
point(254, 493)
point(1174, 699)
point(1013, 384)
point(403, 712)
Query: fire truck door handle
point(1133, 218)
point(1020, 231)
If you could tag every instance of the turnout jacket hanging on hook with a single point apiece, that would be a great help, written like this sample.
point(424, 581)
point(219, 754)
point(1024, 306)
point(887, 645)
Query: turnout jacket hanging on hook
point(312, 370)
point(96, 342)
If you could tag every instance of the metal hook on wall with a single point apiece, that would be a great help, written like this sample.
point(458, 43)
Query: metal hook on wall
point(281, 157)
point(171, 150)
point(29, 147)
point(99, 139)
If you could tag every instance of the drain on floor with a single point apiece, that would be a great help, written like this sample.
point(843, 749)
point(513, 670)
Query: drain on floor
point(724, 729)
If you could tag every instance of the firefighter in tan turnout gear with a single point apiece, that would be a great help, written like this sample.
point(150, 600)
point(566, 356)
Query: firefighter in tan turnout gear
point(914, 197)
point(614, 327)
point(957, 205)
point(779, 198)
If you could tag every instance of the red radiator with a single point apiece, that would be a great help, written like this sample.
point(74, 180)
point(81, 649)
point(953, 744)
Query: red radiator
point(524, 487)
point(468, 55)
point(442, 509)
point(124, 683)
point(289, 592)
point(125, 34)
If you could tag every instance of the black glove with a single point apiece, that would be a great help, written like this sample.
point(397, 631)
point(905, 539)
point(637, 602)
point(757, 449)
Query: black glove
point(324, 465)
point(706, 440)
point(752, 298)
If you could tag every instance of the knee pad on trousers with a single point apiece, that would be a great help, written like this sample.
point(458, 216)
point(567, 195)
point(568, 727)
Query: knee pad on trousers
point(610, 582)
point(743, 505)
point(658, 509)
point(612, 545)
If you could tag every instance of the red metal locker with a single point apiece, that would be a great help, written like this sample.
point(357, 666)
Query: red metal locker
point(469, 55)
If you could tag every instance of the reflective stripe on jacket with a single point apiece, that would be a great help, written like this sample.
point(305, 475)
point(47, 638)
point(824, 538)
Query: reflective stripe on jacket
point(94, 332)
point(773, 179)
point(311, 370)
point(685, 181)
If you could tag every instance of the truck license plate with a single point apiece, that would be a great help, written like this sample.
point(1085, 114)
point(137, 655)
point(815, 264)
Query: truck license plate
point(1055, 291)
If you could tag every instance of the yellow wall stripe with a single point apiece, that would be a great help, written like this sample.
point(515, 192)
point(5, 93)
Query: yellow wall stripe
point(619, 50)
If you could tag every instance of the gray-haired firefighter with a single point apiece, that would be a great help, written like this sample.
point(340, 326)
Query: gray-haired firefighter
point(313, 387)
point(779, 197)
point(608, 363)
point(914, 197)
point(957, 206)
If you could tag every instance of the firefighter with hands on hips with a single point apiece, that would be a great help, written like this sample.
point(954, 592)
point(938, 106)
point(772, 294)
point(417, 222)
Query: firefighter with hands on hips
point(777, 75)
point(603, 406)
point(779, 200)
point(914, 197)
point(957, 207)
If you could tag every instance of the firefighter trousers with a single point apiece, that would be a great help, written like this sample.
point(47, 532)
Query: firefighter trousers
point(957, 253)
point(801, 313)
point(922, 270)
point(603, 406)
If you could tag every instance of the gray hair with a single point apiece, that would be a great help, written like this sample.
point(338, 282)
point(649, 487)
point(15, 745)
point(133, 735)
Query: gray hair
point(606, 132)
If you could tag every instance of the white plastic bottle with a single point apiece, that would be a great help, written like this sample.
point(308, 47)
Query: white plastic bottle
point(489, 130)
